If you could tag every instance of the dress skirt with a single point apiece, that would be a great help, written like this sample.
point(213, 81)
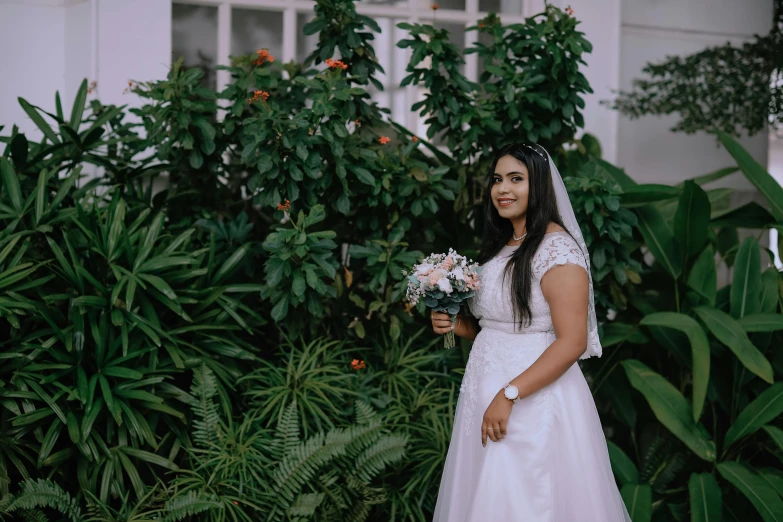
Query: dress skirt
point(552, 466)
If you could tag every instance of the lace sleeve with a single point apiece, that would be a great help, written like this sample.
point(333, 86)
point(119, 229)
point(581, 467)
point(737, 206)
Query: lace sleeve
point(557, 249)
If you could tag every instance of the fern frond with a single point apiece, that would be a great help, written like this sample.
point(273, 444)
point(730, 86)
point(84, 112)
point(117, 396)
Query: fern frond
point(665, 476)
point(288, 431)
point(388, 450)
point(45, 493)
point(306, 459)
point(364, 413)
point(206, 422)
point(33, 515)
point(306, 504)
point(189, 504)
point(656, 453)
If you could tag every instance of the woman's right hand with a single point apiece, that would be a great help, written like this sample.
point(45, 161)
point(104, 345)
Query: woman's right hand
point(441, 322)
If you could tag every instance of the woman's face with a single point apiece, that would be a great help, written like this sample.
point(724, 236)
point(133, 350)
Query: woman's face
point(510, 188)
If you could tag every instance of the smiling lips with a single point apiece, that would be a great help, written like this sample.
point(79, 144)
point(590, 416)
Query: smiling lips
point(504, 202)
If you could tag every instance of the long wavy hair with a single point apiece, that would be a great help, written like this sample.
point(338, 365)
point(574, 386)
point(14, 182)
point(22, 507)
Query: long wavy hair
point(541, 211)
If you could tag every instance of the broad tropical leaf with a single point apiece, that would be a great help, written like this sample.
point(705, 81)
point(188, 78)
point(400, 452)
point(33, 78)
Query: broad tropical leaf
point(692, 219)
point(700, 352)
point(622, 466)
point(638, 501)
point(669, 407)
point(706, 498)
point(764, 408)
point(756, 174)
point(660, 240)
point(756, 489)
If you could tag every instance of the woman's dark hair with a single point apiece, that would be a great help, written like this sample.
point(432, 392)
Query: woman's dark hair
point(541, 211)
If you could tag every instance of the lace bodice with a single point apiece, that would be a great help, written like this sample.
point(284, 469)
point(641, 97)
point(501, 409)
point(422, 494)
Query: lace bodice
point(492, 304)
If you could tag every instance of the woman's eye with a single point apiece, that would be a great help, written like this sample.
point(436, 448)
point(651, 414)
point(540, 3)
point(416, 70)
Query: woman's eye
point(497, 180)
point(516, 178)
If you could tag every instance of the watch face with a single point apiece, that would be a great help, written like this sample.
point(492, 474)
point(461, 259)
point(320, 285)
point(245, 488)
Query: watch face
point(511, 392)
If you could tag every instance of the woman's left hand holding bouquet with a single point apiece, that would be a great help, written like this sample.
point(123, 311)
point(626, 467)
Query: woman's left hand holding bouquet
point(462, 326)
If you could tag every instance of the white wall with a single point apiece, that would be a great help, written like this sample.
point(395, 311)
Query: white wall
point(600, 21)
point(33, 59)
point(650, 32)
point(52, 45)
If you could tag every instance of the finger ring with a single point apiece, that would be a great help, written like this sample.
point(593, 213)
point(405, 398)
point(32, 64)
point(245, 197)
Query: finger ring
point(490, 429)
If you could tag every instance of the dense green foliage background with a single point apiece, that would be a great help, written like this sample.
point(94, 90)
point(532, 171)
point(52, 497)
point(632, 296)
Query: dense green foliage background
point(213, 327)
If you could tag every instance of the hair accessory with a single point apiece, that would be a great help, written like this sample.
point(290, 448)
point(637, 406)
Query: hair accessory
point(534, 150)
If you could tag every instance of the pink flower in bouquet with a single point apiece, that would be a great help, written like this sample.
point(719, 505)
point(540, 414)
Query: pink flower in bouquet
point(436, 275)
point(447, 263)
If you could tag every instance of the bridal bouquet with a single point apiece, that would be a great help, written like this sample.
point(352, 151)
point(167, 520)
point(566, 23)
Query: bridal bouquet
point(443, 282)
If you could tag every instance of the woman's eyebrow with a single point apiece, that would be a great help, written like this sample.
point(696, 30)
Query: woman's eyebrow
point(509, 173)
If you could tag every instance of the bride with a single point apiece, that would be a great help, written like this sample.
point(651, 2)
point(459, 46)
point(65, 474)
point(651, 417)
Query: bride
point(527, 443)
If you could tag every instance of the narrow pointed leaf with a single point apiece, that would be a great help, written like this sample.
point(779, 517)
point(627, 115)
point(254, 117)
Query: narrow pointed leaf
point(11, 184)
point(746, 285)
point(756, 174)
point(622, 466)
point(703, 277)
point(762, 322)
point(39, 121)
point(692, 219)
point(78, 106)
point(764, 409)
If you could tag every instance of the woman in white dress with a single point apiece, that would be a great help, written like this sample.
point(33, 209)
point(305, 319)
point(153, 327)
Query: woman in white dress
point(527, 443)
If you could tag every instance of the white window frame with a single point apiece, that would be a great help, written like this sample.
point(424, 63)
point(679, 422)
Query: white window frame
point(412, 11)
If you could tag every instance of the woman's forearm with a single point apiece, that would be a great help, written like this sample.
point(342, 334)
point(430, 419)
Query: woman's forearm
point(553, 363)
point(466, 327)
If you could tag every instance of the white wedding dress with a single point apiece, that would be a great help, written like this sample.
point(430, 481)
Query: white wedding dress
point(553, 464)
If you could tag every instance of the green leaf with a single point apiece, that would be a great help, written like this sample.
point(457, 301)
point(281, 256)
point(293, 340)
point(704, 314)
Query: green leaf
point(706, 498)
point(363, 175)
point(746, 285)
point(638, 501)
point(756, 174)
point(669, 407)
point(704, 277)
point(73, 428)
point(700, 352)
point(622, 466)
point(729, 332)
point(749, 215)
point(162, 286)
point(776, 434)
point(764, 409)
point(641, 195)
point(625, 181)
point(11, 184)
point(762, 322)
point(660, 240)
point(122, 372)
point(760, 493)
point(78, 106)
point(146, 456)
point(231, 263)
point(692, 219)
point(40, 196)
point(39, 121)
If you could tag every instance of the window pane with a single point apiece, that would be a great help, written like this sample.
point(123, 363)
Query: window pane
point(252, 29)
point(511, 7)
point(194, 37)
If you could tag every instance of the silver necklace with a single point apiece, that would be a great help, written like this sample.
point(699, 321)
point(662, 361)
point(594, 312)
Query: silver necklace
point(518, 238)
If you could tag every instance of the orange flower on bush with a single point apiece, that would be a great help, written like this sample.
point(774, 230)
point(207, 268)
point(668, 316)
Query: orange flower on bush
point(384, 140)
point(263, 56)
point(415, 139)
point(259, 95)
point(357, 365)
point(435, 7)
point(284, 206)
point(569, 11)
point(336, 64)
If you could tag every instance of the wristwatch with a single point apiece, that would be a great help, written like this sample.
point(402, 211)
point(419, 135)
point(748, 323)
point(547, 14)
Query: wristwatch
point(511, 392)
